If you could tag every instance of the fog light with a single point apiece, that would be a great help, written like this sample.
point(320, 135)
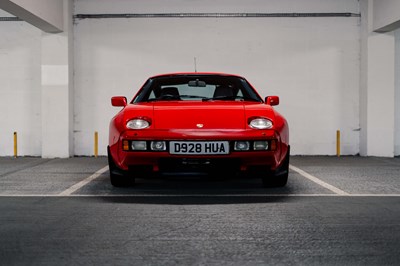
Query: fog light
point(158, 146)
point(260, 145)
point(242, 146)
point(125, 145)
point(273, 145)
point(139, 145)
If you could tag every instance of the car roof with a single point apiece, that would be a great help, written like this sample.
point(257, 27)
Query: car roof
point(179, 74)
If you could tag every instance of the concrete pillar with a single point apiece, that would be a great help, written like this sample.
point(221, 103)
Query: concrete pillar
point(57, 90)
point(397, 95)
point(377, 87)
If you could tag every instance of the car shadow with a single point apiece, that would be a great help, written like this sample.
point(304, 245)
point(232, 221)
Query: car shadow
point(195, 190)
point(196, 200)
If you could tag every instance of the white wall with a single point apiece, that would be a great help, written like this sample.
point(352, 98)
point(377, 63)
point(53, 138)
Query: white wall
point(311, 63)
point(20, 89)
point(199, 6)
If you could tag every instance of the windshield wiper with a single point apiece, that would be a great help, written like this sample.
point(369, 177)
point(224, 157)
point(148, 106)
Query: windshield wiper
point(230, 98)
point(204, 99)
point(164, 97)
point(174, 97)
point(193, 97)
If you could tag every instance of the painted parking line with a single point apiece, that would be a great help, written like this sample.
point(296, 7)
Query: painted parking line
point(84, 182)
point(77, 186)
point(319, 181)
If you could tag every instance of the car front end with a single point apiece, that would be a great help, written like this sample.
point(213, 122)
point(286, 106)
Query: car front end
point(202, 124)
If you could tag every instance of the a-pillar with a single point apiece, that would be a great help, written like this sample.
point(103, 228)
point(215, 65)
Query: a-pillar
point(57, 90)
point(377, 89)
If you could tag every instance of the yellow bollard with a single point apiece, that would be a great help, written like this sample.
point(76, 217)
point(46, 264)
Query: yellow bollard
point(15, 145)
point(96, 144)
point(338, 143)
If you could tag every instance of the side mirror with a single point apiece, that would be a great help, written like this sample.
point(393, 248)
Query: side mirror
point(118, 101)
point(272, 100)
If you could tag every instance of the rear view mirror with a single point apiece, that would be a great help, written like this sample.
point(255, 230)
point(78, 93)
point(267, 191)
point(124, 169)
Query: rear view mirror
point(272, 100)
point(118, 101)
point(197, 83)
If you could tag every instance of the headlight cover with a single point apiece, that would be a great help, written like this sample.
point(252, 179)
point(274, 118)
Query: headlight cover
point(138, 123)
point(260, 123)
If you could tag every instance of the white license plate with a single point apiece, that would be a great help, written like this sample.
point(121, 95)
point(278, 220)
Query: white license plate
point(199, 147)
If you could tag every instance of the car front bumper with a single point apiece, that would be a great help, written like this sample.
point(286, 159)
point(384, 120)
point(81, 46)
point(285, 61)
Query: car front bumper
point(163, 162)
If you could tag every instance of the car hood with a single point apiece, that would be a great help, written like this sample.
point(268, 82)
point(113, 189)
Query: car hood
point(199, 115)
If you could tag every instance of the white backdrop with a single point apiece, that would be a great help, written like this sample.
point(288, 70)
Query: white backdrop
point(311, 63)
point(20, 88)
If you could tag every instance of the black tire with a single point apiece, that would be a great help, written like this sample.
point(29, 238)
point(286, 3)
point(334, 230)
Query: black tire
point(118, 177)
point(279, 177)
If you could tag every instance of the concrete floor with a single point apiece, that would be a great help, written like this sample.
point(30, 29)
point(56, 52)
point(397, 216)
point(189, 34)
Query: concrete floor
point(333, 211)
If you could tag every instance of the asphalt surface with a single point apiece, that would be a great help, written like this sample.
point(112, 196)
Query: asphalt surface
point(334, 211)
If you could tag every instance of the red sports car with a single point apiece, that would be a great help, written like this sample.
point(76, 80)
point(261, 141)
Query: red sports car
point(195, 124)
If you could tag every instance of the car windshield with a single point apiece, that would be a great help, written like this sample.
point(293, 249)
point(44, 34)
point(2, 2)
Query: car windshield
point(197, 88)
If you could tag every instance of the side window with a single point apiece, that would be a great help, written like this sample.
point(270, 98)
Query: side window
point(152, 95)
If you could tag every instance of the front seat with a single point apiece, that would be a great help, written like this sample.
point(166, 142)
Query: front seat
point(223, 91)
point(170, 93)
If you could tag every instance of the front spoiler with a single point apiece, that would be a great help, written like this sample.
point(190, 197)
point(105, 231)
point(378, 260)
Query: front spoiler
point(146, 168)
